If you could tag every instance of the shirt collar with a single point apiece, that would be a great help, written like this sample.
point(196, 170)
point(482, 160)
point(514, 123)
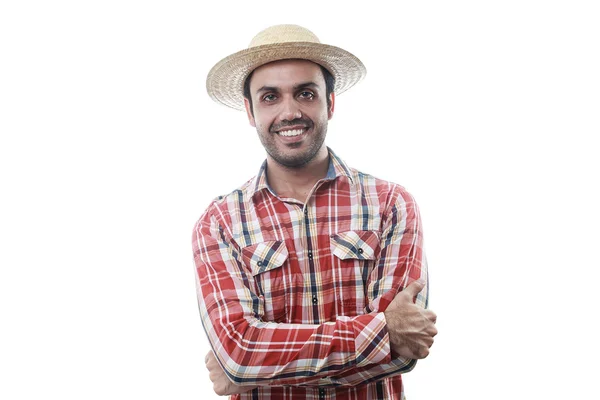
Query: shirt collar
point(337, 168)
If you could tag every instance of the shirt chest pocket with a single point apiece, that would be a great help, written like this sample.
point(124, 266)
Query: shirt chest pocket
point(354, 254)
point(267, 261)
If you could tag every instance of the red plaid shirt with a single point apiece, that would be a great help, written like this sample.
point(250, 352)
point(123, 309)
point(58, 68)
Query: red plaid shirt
point(292, 295)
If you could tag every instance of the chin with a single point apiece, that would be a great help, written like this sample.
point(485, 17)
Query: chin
point(296, 162)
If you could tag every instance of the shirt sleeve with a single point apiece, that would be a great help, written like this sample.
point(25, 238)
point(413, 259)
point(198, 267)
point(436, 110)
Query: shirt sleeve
point(402, 261)
point(254, 352)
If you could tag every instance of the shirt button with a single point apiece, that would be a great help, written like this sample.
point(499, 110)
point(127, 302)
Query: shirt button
point(321, 393)
point(315, 300)
point(259, 263)
point(310, 255)
point(360, 251)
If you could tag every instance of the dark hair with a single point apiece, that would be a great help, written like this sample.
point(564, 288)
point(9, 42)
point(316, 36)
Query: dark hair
point(329, 85)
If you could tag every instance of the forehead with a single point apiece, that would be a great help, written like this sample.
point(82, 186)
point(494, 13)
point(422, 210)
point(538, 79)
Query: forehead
point(287, 73)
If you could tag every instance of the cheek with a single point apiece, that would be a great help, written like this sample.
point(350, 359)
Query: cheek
point(321, 118)
point(262, 120)
point(261, 126)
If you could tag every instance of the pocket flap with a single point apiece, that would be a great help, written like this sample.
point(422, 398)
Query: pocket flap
point(262, 257)
point(360, 245)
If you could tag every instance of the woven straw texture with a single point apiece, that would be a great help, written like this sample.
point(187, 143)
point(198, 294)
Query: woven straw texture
point(225, 81)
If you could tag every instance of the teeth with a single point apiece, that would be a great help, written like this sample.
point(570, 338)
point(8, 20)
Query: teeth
point(294, 132)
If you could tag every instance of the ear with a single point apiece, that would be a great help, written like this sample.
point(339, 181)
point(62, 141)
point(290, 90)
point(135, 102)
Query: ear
point(249, 113)
point(330, 109)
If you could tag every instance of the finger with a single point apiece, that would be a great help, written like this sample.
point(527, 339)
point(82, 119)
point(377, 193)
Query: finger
point(423, 353)
point(430, 315)
point(430, 330)
point(428, 341)
point(435, 332)
point(211, 362)
point(210, 365)
point(420, 353)
point(412, 353)
point(414, 288)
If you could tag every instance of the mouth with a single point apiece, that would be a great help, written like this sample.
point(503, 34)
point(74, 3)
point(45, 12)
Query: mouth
point(292, 132)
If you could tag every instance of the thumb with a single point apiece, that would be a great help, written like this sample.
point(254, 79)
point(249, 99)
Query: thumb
point(414, 288)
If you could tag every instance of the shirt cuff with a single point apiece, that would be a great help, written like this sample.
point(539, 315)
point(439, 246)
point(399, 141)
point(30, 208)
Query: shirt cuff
point(372, 342)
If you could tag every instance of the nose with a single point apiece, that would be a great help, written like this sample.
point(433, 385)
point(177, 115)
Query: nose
point(290, 110)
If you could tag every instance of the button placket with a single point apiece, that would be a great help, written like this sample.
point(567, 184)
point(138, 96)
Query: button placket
point(311, 266)
point(321, 393)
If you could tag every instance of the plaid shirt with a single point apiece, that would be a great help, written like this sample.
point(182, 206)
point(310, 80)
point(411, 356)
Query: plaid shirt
point(292, 295)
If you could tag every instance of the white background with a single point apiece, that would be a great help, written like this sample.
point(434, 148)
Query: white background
point(487, 112)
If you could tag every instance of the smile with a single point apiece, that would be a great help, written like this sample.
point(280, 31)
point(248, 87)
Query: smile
point(292, 132)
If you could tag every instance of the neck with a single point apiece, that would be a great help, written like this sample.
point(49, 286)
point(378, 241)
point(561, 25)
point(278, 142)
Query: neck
point(297, 182)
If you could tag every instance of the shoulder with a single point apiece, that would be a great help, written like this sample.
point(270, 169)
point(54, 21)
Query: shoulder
point(388, 192)
point(221, 207)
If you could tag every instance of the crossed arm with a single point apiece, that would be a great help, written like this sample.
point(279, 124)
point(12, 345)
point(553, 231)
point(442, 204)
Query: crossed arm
point(249, 352)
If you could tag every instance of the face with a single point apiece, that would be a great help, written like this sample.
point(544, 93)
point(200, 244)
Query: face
point(290, 110)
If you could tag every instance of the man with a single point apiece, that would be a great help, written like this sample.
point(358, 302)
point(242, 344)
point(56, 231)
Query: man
point(311, 277)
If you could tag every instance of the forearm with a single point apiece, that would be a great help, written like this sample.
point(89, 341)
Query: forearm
point(375, 372)
point(371, 373)
point(356, 375)
point(346, 352)
point(335, 377)
point(253, 352)
point(322, 355)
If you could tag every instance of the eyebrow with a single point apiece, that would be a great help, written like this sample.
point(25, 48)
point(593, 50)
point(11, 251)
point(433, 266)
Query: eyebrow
point(298, 86)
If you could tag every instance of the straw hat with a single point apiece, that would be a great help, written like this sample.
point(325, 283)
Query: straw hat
point(225, 81)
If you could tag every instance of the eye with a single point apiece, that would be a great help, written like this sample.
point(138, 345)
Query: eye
point(307, 95)
point(269, 97)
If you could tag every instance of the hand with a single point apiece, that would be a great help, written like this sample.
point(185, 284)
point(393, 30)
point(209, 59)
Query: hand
point(221, 383)
point(411, 328)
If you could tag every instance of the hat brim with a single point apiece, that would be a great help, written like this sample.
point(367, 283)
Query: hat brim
point(225, 81)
